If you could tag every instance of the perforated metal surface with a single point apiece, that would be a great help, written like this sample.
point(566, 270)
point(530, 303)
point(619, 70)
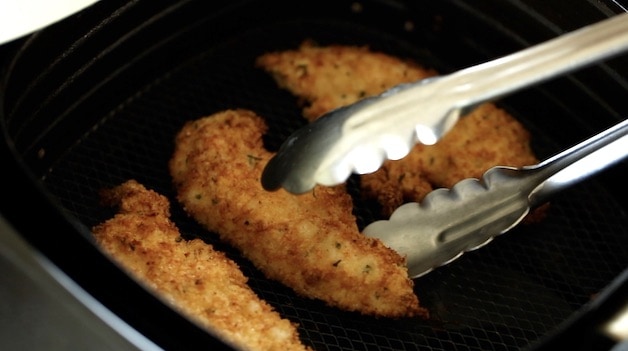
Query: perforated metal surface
point(502, 297)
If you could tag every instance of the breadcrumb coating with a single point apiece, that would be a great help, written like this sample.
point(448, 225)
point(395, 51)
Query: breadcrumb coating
point(327, 77)
point(310, 242)
point(487, 137)
point(190, 275)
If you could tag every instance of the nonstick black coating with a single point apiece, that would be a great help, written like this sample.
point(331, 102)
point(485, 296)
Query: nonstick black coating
point(108, 108)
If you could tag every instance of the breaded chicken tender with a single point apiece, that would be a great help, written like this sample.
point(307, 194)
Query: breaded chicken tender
point(310, 243)
point(328, 77)
point(333, 76)
point(485, 138)
point(194, 278)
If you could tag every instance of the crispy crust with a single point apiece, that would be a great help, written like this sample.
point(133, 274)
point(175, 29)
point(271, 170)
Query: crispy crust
point(487, 137)
point(190, 275)
point(332, 76)
point(308, 242)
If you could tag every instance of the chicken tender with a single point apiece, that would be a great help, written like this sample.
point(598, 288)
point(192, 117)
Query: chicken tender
point(485, 138)
point(190, 275)
point(328, 77)
point(310, 243)
point(333, 76)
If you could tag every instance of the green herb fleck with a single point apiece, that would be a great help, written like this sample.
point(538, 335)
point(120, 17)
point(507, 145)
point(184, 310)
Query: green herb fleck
point(253, 160)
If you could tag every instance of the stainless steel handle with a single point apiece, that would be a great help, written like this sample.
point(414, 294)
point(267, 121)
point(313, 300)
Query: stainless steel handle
point(538, 63)
point(580, 161)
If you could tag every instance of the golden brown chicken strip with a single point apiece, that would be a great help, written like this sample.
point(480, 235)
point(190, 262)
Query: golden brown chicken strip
point(332, 76)
point(485, 138)
point(190, 275)
point(309, 242)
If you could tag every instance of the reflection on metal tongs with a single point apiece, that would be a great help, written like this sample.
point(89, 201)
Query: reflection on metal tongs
point(359, 137)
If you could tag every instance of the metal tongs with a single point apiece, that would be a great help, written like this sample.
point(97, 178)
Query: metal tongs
point(359, 137)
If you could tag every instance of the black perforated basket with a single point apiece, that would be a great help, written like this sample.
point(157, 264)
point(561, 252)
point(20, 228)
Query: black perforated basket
point(97, 99)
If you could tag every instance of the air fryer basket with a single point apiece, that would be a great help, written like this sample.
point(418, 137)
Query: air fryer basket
point(97, 99)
